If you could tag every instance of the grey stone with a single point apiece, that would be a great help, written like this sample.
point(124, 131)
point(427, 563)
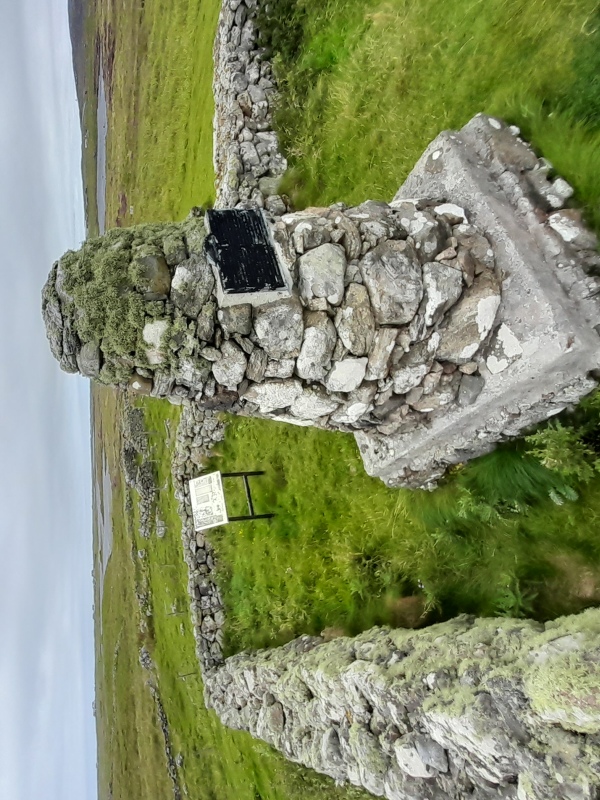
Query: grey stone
point(140, 385)
point(192, 285)
point(346, 375)
point(174, 249)
point(317, 346)
point(236, 319)
point(321, 274)
point(280, 368)
point(429, 234)
point(257, 365)
point(229, 371)
point(443, 287)
point(392, 274)
point(379, 357)
point(313, 403)
point(431, 753)
point(269, 185)
point(153, 335)
point(206, 321)
point(89, 360)
point(410, 761)
point(192, 372)
point(571, 229)
point(471, 387)
point(279, 328)
point(471, 320)
point(274, 395)
point(354, 321)
point(409, 369)
point(154, 279)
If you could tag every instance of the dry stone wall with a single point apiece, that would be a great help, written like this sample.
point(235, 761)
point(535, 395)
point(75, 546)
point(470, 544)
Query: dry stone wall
point(248, 163)
point(198, 432)
point(464, 709)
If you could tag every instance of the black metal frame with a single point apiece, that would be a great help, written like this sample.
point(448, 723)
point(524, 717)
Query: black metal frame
point(245, 476)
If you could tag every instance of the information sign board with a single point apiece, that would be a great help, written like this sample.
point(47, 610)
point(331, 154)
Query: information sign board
point(208, 501)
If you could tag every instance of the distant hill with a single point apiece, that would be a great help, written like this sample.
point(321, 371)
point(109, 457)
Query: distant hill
point(81, 48)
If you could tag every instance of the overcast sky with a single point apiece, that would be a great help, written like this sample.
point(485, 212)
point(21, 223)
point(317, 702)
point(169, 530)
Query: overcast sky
point(47, 732)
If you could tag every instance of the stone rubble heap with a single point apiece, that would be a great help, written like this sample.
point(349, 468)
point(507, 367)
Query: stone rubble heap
point(248, 164)
point(468, 708)
point(197, 433)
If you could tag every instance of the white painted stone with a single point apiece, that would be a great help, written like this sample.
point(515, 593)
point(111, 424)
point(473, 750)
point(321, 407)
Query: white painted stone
point(346, 375)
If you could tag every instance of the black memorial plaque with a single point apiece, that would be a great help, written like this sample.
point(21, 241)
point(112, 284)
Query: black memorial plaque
point(240, 247)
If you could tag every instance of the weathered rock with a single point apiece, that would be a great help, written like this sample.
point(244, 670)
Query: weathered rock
point(154, 277)
point(153, 334)
point(317, 347)
point(257, 365)
point(140, 384)
point(192, 372)
point(392, 274)
point(429, 234)
point(89, 360)
point(230, 369)
point(471, 320)
point(206, 321)
point(443, 287)
point(192, 285)
point(280, 368)
point(471, 387)
point(279, 328)
point(354, 321)
point(321, 274)
point(313, 403)
point(410, 368)
point(570, 228)
point(346, 375)
point(384, 342)
point(236, 319)
point(274, 395)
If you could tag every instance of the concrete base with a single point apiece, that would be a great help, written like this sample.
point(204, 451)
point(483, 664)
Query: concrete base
point(545, 346)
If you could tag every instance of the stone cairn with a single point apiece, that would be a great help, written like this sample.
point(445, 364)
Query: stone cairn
point(431, 327)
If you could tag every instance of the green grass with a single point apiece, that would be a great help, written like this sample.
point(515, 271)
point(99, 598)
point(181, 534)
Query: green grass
point(161, 105)
point(343, 550)
point(366, 85)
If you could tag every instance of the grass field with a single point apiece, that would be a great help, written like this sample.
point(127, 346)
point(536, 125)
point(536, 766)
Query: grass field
point(366, 85)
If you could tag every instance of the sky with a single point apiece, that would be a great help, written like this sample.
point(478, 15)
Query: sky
point(47, 729)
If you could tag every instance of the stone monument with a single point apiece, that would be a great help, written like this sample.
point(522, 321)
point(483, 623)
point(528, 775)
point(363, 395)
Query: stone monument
point(461, 313)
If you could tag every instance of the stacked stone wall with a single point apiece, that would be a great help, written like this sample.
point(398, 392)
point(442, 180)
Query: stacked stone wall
point(464, 709)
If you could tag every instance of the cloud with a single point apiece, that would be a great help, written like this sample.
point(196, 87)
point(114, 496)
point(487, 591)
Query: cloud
point(47, 736)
